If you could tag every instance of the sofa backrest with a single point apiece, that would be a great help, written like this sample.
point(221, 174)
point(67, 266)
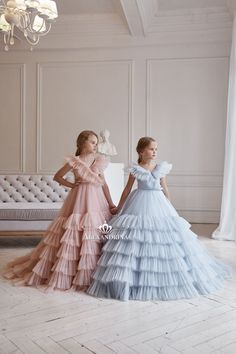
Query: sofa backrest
point(31, 188)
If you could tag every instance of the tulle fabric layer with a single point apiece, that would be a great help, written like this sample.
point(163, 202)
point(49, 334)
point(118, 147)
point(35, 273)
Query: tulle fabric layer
point(155, 258)
point(151, 253)
point(69, 252)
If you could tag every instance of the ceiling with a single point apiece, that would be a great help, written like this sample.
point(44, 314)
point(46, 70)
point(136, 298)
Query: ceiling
point(138, 17)
point(189, 4)
point(88, 23)
point(86, 6)
point(110, 6)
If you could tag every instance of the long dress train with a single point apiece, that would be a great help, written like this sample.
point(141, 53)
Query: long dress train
point(151, 252)
point(68, 254)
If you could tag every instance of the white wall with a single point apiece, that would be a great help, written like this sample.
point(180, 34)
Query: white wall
point(175, 93)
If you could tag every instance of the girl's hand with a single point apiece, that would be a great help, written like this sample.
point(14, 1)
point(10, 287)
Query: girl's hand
point(111, 206)
point(114, 210)
point(76, 183)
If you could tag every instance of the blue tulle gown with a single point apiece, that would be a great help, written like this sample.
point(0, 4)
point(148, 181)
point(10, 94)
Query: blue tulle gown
point(151, 252)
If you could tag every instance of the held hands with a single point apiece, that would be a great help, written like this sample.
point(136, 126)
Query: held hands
point(114, 210)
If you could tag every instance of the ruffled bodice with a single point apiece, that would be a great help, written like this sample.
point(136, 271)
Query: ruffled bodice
point(150, 179)
point(88, 174)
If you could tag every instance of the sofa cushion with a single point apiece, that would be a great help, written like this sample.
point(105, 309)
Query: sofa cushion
point(30, 188)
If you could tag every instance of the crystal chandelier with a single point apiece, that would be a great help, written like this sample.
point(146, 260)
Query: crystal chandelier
point(32, 17)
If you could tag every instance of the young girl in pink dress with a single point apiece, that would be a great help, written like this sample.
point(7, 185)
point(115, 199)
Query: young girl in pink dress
point(68, 253)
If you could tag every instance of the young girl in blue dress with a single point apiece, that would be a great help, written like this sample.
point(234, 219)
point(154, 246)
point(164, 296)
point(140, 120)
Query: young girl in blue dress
point(151, 253)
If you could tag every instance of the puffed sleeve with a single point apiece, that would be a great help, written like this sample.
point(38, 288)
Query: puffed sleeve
point(101, 163)
point(138, 172)
point(162, 169)
point(72, 161)
point(84, 171)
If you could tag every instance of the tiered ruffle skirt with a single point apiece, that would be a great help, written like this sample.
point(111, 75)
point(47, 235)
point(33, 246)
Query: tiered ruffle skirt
point(67, 255)
point(155, 258)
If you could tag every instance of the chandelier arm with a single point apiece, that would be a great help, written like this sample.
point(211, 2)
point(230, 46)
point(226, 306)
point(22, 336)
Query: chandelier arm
point(46, 31)
point(5, 37)
point(23, 22)
point(12, 31)
point(31, 29)
point(31, 41)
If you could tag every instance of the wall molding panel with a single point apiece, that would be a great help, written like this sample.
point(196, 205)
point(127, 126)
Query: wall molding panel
point(13, 85)
point(175, 93)
point(41, 67)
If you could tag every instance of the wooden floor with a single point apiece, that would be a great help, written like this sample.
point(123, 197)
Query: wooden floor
point(32, 321)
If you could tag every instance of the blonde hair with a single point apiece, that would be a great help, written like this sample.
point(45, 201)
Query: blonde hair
point(142, 144)
point(82, 138)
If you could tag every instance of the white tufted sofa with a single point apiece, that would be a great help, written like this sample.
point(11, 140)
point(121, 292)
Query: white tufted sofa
point(30, 202)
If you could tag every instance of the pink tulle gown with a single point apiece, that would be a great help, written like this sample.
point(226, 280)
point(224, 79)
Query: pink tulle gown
point(68, 253)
